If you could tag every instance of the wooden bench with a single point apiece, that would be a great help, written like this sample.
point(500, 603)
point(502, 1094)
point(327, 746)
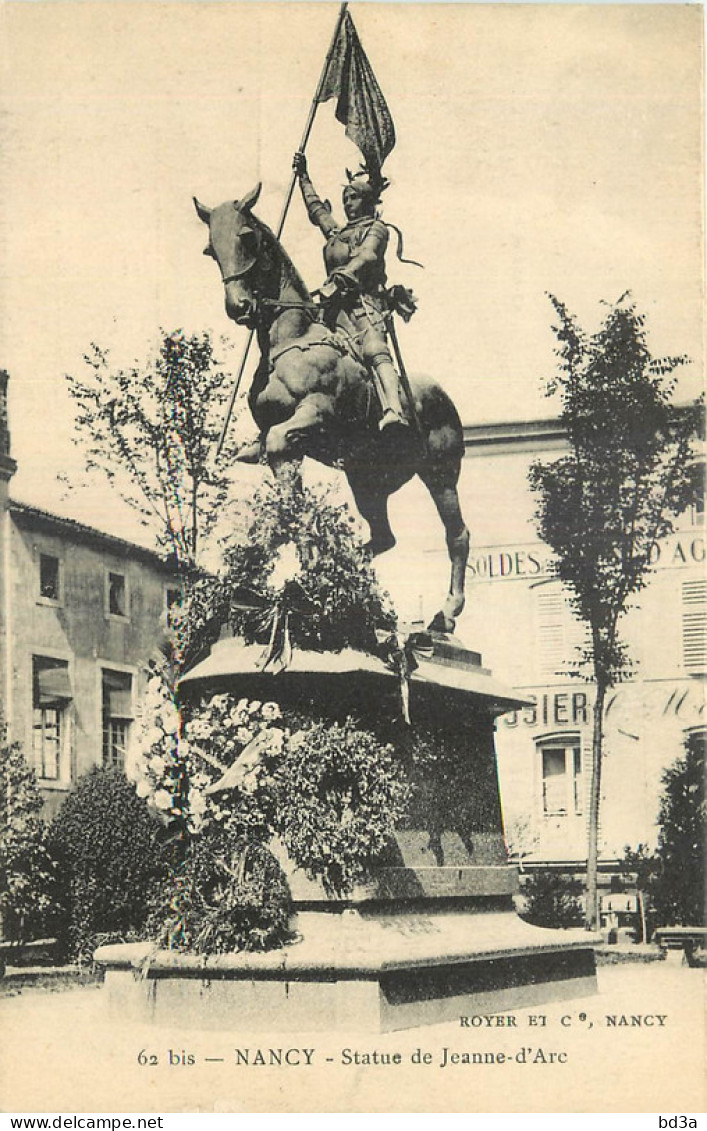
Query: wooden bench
point(687, 939)
point(10, 950)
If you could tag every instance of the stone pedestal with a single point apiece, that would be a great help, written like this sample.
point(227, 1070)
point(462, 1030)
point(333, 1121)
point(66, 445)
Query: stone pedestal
point(433, 936)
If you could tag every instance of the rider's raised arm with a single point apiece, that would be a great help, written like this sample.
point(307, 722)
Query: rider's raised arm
point(319, 211)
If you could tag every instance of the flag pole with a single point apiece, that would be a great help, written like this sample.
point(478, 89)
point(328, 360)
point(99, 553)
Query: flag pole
point(288, 200)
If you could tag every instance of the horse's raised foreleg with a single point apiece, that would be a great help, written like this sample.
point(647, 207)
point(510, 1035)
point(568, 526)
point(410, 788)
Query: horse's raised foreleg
point(290, 440)
point(446, 499)
point(372, 503)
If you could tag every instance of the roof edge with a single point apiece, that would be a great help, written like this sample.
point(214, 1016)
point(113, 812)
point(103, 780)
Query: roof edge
point(36, 515)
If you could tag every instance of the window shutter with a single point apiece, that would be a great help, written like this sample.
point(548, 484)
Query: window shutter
point(558, 633)
point(694, 625)
point(117, 694)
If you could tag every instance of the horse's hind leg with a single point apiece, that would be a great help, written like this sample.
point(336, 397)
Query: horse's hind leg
point(446, 498)
point(372, 503)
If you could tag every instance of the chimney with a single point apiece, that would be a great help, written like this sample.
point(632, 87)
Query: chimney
point(8, 466)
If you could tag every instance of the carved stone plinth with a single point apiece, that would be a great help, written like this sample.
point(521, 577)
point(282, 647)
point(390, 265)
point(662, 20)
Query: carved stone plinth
point(433, 935)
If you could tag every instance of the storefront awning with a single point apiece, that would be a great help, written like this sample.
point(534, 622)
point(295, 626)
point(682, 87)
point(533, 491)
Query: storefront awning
point(53, 686)
point(117, 694)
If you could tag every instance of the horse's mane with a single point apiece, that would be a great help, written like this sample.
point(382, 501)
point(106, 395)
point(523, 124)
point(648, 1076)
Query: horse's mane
point(288, 271)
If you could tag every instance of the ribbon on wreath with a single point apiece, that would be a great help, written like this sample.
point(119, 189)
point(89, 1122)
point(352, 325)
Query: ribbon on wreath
point(274, 615)
point(401, 651)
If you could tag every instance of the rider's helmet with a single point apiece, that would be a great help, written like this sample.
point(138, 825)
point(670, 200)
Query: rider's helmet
point(367, 183)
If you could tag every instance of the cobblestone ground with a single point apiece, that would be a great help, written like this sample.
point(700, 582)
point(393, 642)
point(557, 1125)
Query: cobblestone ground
point(636, 1046)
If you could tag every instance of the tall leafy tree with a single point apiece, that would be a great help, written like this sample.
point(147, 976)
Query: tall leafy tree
point(151, 430)
point(603, 505)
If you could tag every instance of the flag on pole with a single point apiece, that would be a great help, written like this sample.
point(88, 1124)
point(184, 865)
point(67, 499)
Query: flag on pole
point(360, 106)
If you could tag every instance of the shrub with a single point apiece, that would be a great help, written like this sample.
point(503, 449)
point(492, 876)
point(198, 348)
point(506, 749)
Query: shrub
point(26, 868)
point(679, 893)
point(553, 900)
point(671, 880)
point(106, 845)
point(640, 868)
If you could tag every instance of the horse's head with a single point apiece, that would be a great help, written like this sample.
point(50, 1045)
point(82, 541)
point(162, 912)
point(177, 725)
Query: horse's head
point(235, 242)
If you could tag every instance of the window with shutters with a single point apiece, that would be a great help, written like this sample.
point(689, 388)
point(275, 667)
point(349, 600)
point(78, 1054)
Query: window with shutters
point(559, 635)
point(561, 773)
point(694, 626)
point(51, 698)
point(117, 697)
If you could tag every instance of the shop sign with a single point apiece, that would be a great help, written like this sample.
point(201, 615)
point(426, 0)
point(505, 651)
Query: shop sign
point(534, 561)
point(552, 708)
point(630, 703)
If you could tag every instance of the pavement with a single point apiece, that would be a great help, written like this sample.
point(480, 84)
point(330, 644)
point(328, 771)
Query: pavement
point(636, 1046)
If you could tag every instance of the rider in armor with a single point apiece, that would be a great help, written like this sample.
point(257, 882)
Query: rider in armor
point(354, 295)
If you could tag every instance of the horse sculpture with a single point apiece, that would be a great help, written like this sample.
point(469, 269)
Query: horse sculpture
point(311, 396)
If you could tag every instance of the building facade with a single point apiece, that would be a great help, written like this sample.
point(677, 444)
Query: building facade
point(518, 616)
point(81, 615)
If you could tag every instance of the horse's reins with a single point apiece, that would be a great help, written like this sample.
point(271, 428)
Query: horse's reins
point(292, 304)
point(280, 304)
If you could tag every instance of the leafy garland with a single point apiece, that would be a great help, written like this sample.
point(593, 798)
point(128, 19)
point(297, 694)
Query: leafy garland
point(298, 553)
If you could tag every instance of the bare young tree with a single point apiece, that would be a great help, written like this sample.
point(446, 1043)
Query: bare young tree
point(604, 505)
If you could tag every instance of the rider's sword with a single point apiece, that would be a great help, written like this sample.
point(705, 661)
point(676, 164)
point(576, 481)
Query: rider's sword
point(404, 381)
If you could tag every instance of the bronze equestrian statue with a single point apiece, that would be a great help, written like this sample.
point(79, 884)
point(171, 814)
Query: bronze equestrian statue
point(311, 393)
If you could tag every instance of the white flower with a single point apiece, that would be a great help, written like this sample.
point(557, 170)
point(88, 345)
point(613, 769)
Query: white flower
point(197, 801)
point(271, 711)
point(198, 728)
point(250, 780)
point(134, 766)
point(244, 735)
point(153, 736)
point(277, 738)
point(157, 765)
point(144, 788)
point(170, 719)
point(286, 566)
point(242, 705)
point(162, 799)
point(254, 707)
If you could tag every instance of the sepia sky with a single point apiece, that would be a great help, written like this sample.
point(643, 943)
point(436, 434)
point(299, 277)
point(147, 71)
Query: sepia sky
point(541, 148)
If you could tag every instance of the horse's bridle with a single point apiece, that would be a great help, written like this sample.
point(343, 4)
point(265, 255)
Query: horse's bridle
point(257, 301)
